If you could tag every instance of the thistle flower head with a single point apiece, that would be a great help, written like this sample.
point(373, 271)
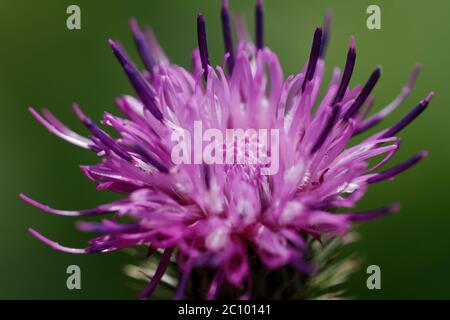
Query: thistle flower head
point(216, 215)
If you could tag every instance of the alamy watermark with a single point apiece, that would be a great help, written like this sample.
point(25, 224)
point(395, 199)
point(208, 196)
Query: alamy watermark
point(374, 280)
point(73, 281)
point(374, 20)
point(255, 147)
point(73, 21)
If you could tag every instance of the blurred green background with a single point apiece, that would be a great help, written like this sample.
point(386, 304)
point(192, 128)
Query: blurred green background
point(45, 65)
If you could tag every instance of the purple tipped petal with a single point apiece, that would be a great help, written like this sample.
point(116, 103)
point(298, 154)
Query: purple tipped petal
point(141, 87)
point(203, 44)
point(414, 113)
point(327, 129)
point(103, 136)
point(313, 57)
point(120, 53)
point(392, 172)
point(59, 130)
point(56, 245)
point(259, 24)
point(151, 159)
point(376, 118)
point(364, 94)
point(69, 213)
point(374, 214)
point(141, 44)
point(227, 36)
point(348, 71)
point(144, 91)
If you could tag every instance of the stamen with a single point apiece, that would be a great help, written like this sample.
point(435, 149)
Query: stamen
point(142, 45)
point(102, 136)
point(313, 57)
point(364, 94)
point(202, 44)
point(348, 70)
point(327, 129)
point(227, 37)
point(414, 113)
point(392, 172)
point(142, 88)
point(259, 24)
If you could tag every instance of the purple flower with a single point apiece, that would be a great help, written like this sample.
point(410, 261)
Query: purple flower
point(216, 215)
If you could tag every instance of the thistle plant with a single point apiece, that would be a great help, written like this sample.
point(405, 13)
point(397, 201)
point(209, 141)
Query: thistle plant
point(227, 230)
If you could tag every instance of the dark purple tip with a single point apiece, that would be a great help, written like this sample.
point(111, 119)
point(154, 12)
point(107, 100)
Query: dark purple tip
point(313, 57)
point(327, 129)
point(348, 71)
point(203, 44)
point(140, 85)
point(379, 116)
point(227, 37)
point(101, 135)
point(120, 53)
point(373, 214)
point(259, 24)
point(151, 159)
point(141, 45)
point(325, 34)
point(392, 172)
point(364, 94)
point(413, 114)
point(144, 91)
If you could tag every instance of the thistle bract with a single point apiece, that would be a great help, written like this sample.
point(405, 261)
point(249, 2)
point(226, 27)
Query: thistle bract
point(219, 216)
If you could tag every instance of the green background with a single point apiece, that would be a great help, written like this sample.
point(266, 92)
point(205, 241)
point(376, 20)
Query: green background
point(47, 66)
